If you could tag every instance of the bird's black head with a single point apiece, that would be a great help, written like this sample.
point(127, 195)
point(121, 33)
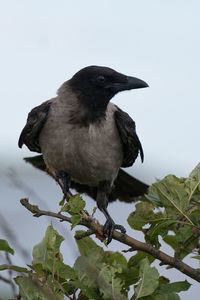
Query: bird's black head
point(95, 86)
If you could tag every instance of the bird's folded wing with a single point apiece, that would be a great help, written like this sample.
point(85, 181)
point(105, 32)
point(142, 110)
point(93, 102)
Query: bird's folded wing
point(36, 119)
point(130, 141)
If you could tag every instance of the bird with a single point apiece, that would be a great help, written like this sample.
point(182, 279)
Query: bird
point(84, 138)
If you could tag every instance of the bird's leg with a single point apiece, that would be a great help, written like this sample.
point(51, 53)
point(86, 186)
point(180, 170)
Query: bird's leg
point(102, 203)
point(66, 181)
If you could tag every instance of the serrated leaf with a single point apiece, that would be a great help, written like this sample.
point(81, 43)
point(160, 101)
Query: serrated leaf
point(14, 268)
point(135, 260)
point(87, 290)
point(161, 228)
point(172, 194)
point(74, 205)
point(153, 196)
point(171, 296)
point(184, 233)
point(129, 276)
point(109, 284)
point(149, 279)
point(142, 215)
point(163, 280)
point(75, 219)
point(4, 246)
point(47, 253)
point(176, 287)
point(38, 270)
point(31, 290)
point(195, 217)
point(87, 270)
point(193, 181)
point(114, 258)
point(171, 240)
point(87, 246)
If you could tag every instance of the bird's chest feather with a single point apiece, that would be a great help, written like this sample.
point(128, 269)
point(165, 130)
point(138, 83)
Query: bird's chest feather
point(89, 154)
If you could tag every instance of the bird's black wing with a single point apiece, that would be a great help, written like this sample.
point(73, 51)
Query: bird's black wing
point(130, 141)
point(35, 121)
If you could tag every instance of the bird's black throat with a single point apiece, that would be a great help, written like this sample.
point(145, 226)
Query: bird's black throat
point(95, 109)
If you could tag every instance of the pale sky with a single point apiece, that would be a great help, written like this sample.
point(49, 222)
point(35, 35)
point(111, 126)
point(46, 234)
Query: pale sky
point(43, 43)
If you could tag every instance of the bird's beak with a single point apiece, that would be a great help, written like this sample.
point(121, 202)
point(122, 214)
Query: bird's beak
point(135, 83)
point(130, 83)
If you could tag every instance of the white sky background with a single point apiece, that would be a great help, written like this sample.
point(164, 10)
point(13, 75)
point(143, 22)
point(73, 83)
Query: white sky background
point(43, 43)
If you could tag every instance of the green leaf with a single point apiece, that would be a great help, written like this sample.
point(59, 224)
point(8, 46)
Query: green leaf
point(184, 233)
point(161, 228)
point(172, 194)
point(171, 240)
point(135, 260)
point(87, 270)
point(98, 276)
point(142, 215)
point(75, 219)
point(87, 290)
point(109, 284)
point(74, 205)
point(87, 246)
point(196, 257)
point(153, 196)
point(62, 201)
point(14, 268)
point(176, 287)
point(149, 279)
point(32, 290)
point(38, 270)
point(114, 258)
point(195, 217)
point(47, 253)
point(5, 247)
point(171, 296)
point(99, 270)
point(193, 181)
point(129, 276)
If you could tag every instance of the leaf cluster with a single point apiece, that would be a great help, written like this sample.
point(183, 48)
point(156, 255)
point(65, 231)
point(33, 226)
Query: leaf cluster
point(171, 212)
point(96, 274)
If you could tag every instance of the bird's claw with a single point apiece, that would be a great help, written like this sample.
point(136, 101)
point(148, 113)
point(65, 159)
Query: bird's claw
point(66, 181)
point(109, 228)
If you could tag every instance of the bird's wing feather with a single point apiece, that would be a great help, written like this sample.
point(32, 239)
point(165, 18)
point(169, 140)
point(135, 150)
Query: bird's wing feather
point(130, 141)
point(35, 121)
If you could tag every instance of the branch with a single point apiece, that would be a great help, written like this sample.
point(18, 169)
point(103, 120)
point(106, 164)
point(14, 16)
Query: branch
point(13, 287)
point(2, 278)
point(95, 227)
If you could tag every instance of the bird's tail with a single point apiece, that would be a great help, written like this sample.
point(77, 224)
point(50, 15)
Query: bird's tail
point(126, 188)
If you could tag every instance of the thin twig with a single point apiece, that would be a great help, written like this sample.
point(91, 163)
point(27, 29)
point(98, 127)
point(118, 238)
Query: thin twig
point(2, 278)
point(10, 273)
point(84, 234)
point(122, 238)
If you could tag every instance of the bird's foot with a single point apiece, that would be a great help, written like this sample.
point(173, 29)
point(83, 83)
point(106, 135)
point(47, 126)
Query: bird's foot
point(109, 228)
point(66, 181)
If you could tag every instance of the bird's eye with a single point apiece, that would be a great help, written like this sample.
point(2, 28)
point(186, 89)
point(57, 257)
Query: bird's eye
point(101, 78)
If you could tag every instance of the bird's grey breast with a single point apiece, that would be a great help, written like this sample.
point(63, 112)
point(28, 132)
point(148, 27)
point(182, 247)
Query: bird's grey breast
point(91, 153)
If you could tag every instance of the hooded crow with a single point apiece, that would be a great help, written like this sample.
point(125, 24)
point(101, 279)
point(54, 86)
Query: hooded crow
point(83, 136)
